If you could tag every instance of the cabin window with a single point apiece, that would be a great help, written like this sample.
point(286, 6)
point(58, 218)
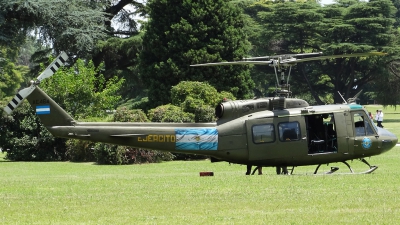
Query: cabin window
point(263, 133)
point(362, 126)
point(289, 131)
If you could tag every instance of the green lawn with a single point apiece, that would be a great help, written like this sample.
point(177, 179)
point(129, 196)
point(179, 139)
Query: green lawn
point(174, 193)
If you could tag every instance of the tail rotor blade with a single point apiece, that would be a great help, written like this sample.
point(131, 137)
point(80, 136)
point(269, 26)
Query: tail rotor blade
point(18, 98)
point(48, 72)
point(53, 67)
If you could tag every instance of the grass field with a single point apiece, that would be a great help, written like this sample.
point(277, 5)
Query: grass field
point(174, 193)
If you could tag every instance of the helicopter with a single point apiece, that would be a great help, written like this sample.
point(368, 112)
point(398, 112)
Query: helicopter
point(278, 131)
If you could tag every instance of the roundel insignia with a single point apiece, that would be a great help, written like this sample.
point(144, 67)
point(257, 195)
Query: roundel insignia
point(366, 143)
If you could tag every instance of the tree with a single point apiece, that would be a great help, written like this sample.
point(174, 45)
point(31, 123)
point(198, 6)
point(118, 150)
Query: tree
point(117, 11)
point(10, 74)
point(26, 139)
point(180, 33)
point(343, 28)
point(262, 44)
point(367, 26)
point(120, 50)
point(83, 91)
point(71, 25)
point(198, 98)
point(120, 57)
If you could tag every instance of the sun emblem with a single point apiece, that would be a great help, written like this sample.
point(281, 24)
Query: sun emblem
point(366, 143)
point(197, 138)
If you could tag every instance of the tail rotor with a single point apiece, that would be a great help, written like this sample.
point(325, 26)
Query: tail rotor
point(48, 72)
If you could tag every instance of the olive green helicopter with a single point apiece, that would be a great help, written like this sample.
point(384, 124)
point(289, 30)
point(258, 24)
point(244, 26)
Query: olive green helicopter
point(278, 131)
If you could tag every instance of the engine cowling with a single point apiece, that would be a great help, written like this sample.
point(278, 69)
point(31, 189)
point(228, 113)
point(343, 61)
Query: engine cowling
point(229, 110)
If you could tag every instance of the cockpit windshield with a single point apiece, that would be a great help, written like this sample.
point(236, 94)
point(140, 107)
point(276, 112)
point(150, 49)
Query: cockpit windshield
point(363, 126)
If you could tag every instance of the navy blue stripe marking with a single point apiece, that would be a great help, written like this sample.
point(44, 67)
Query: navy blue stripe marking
point(52, 69)
point(10, 106)
point(15, 102)
point(62, 59)
point(57, 64)
point(20, 97)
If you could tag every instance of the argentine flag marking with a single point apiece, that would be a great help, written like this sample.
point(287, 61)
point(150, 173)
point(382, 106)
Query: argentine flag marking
point(196, 139)
point(42, 109)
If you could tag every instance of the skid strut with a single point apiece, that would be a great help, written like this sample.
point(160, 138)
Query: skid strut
point(334, 169)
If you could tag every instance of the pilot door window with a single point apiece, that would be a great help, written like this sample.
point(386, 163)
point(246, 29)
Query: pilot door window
point(264, 133)
point(362, 126)
point(289, 131)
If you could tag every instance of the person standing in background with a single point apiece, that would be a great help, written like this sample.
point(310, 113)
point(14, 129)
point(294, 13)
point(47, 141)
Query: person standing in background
point(379, 118)
point(370, 116)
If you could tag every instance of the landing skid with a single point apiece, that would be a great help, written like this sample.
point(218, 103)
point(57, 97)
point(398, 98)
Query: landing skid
point(334, 169)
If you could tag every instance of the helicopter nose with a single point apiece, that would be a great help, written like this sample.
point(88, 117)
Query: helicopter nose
point(389, 140)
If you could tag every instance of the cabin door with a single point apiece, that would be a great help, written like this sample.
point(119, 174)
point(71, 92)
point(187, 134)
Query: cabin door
point(276, 138)
point(344, 128)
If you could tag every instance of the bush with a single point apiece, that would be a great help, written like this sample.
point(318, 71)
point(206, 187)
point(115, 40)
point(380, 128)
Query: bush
point(80, 150)
point(198, 98)
point(138, 155)
point(27, 139)
point(125, 115)
point(119, 155)
point(107, 154)
point(201, 111)
point(170, 113)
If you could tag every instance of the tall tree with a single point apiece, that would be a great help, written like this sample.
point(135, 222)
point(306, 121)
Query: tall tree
point(361, 27)
point(119, 52)
point(180, 33)
point(10, 74)
point(120, 57)
point(125, 13)
point(349, 26)
point(71, 25)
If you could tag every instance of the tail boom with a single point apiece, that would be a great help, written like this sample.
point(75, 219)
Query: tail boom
point(198, 138)
point(189, 138)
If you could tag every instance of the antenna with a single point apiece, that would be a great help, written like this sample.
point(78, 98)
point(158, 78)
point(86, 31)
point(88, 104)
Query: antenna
point(342, 97)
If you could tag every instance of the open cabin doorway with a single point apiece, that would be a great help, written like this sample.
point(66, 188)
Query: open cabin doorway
point(321, 133)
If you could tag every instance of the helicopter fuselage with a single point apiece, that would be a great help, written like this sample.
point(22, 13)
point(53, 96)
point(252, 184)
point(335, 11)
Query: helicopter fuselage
point(263, 132)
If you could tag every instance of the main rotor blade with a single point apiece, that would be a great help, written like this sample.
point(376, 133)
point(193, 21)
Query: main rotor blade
point(53, 67)
point(284, 56)
point(18, 98)
point(234, 63)
point(291, 61)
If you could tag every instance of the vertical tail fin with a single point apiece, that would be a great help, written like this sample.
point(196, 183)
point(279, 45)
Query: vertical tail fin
point(49, 112)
